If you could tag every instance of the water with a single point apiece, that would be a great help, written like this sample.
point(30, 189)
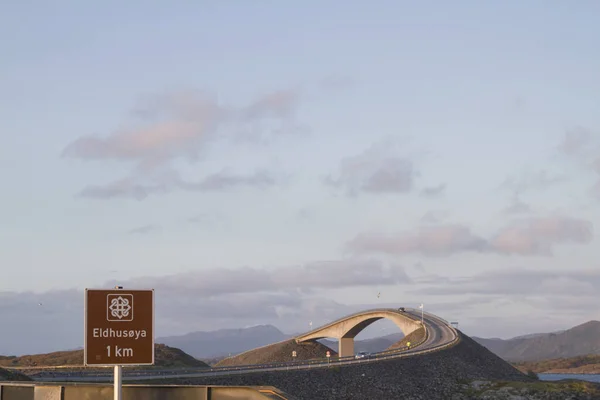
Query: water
point(582, 377)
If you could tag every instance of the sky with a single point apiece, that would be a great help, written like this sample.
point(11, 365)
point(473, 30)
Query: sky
point(265, 162)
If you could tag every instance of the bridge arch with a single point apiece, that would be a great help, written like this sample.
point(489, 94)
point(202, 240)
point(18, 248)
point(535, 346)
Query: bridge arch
point(345, 329)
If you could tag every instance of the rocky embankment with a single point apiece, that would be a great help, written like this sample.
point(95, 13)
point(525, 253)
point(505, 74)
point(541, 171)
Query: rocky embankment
point(6, 375)
point(440, 375)
point(412, 338)
point(279, 352)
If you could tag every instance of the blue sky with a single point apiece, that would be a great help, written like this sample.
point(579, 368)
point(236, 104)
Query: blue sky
point(288, 138)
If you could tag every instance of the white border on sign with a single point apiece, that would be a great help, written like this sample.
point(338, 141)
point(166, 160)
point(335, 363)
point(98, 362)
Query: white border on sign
point(85, 327)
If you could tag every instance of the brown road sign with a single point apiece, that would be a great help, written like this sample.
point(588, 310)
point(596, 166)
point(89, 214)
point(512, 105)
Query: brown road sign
point(119, 327)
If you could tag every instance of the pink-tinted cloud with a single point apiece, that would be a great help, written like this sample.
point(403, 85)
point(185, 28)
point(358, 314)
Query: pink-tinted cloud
point(182, 125)
point(533, 236)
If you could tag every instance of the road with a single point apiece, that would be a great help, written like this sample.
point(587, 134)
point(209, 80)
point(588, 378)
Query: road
point(440, 335)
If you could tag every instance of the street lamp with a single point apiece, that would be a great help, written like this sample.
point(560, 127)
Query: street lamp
point(421, 307)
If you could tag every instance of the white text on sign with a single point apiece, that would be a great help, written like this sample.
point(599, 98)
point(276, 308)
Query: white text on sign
point(117, 333)
point(119, 351)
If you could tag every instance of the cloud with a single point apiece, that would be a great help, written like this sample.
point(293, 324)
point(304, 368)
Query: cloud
point(140, 188)
point(527, 237)
point(306, 277)
point(582, 147)
point(336, 82)
point(434, 217)
point(305, 213)
point(224, 181)
point(181, 126)
point(205, 219)
point(537, 236)
point(376, 170)
point(434, 191)
point(201, 300)
point(502, 301)
point(575, 141)
point(430, 241)
point(528, 180)
point(518, 281)
point(178, 125)
point(281, 104)
point(517, 207)
point(144, 229)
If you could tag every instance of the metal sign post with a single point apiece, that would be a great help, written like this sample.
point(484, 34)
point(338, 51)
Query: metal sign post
point(119, 330)
point(118, 383)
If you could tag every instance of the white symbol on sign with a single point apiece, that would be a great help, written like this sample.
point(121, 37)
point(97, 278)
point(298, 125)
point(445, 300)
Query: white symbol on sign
point(120, 307)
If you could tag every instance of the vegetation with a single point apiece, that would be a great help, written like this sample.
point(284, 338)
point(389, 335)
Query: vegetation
point(589, 364)
point(561, 389)
point(165, 356)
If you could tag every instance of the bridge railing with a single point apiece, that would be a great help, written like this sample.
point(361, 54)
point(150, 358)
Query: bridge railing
point(356, 314)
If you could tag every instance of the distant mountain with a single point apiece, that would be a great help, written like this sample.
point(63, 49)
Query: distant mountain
point(580, 340)
point(370, 345)
point(213, 346)
point(222, 342)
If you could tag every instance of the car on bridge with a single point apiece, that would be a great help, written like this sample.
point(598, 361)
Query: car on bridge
point(362, 354)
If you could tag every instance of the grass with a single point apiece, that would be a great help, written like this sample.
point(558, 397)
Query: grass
point(566, 387)
point(588, 364)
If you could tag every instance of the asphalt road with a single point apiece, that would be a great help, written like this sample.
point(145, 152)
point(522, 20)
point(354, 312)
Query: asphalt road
point(440, 334)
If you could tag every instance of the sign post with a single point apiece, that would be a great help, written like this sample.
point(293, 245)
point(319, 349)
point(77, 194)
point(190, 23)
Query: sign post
point(119, 330)
point(328, 354)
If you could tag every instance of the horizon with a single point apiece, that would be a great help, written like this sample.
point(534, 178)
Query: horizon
point(367, 334)
point(305, 162)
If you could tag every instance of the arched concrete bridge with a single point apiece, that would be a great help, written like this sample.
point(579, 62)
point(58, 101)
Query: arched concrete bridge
point(345, 329)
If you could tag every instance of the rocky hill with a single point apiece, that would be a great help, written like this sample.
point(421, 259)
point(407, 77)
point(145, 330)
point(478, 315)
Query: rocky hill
point(279, 352)
point(578, 341)
point(225, 341)
point(589, 364)
point(165, 356)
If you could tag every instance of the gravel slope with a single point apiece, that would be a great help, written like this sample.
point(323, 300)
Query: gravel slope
point(279, 352)
point(440, 375)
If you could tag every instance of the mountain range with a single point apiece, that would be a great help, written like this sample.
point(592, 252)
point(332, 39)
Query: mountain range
point(224, 342)
point(578, 341)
